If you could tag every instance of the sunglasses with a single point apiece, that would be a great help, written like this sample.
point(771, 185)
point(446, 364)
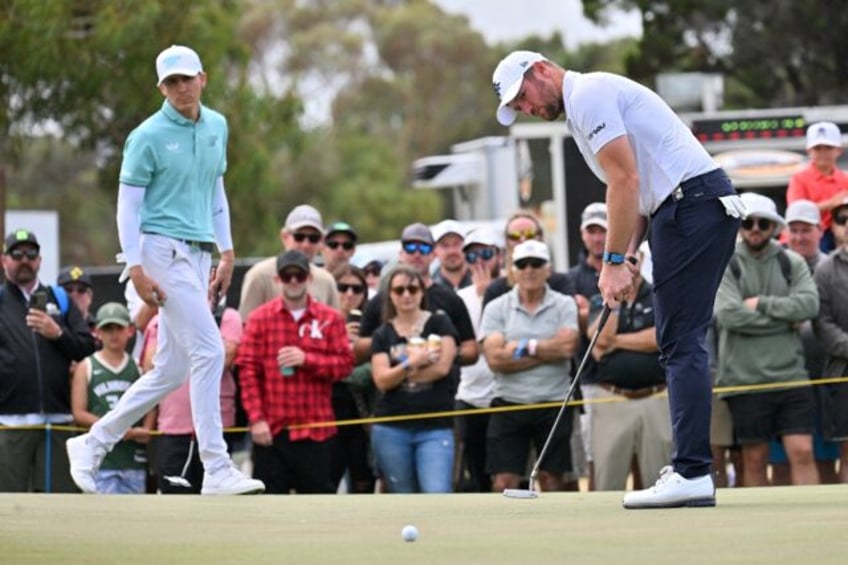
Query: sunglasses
point(484, 254)
point(312, 237)
point(346, 245)
point(417, 247)
point(75, 288)
point(18, 254)
point(519, 235)
point(289, 276)
point(532, 262)
point(761, 223)
point(840, 220)
point(412, 289)
point(355, 288)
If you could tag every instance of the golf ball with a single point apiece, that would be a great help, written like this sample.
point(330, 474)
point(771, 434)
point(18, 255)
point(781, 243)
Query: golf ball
point(409, 533)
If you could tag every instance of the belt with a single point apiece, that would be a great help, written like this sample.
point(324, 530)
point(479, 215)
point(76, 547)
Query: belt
point(633, 393)
point(701, 181)
point(206, 246)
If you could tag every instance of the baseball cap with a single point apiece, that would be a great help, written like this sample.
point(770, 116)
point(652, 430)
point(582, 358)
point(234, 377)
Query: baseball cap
point(803, 211)
point(507, 78)
point(304, 216)
point(761, 207)
point(292, 259)
point(19, 236)
point(177, 60)
point(417, 232)
point(481, 236)
point(446, 227)
point(824, 133)
point(595, 214)
point(530, 249)
point(340, 227)
point(112, 313)
point(74, 273)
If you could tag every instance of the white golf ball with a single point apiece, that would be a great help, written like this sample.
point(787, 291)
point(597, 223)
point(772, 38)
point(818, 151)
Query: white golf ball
point(409, 533)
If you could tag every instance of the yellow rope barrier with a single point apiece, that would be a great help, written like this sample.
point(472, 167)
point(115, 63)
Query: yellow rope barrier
point(477, 411)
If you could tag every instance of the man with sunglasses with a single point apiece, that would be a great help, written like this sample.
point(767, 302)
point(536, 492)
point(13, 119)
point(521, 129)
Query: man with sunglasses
point(40, 339)
point(302, 231)
point(417, 246)
point(529, 336)
point(453, 271)
point(840, 224)
point(173, 213)
point(77, 283)
point(759, 309)
point(292, 351)
point(653, 167)
point(339, 245)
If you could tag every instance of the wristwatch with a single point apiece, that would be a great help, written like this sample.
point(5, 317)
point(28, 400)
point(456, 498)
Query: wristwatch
point(614, 258)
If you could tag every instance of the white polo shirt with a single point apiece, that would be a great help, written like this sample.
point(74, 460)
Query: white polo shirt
point(600, 107)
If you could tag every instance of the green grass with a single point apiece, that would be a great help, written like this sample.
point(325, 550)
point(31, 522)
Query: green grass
point(767, 525)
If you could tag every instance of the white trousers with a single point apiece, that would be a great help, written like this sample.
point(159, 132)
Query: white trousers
point(189, 344)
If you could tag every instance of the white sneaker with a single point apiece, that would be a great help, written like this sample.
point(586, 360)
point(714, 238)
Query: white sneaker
point(673, 491)
point(85, 454)
point(230, 480)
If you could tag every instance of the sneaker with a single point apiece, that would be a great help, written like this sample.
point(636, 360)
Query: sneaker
point(673, 491)
point(85, 455)
point(230, 480)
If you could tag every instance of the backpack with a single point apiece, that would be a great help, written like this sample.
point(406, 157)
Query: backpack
point(782, 258)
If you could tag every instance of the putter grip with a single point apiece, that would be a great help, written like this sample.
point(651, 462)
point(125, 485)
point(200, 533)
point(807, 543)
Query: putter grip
point(605, 314)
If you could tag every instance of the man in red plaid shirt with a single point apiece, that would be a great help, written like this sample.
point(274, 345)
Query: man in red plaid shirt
point(292, 351)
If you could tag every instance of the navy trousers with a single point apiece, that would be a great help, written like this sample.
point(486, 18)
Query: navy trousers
point(692, 239)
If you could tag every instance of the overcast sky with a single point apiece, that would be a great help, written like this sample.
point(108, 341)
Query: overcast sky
point(500, 20)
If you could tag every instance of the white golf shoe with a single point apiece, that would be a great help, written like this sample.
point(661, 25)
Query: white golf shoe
point(673, 491)
point(85, 455)
point(228, 481)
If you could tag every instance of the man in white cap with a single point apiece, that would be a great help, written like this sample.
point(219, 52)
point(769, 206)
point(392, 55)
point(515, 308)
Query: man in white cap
point(172, 213)
point(821, 181)
point(765, 294)
point(653, 167)
point(803, 222)
point(453, 271)
point(302, 231)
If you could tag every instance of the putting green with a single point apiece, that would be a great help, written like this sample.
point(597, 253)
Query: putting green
point(764, 525)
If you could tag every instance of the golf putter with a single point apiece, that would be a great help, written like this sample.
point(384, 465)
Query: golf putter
point(181, 481)
point(531, 492)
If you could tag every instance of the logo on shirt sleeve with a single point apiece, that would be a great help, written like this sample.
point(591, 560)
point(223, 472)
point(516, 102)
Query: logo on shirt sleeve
point(595, 131)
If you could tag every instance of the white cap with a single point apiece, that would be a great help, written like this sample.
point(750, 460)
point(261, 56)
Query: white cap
point(530, 249)
point(507, 78)
point(178, 60)
point(824, 133)
point(761, 207)
point(483, 235)
point(304, 216)
point(803, 211)
point(595, 214)
point(446, 227)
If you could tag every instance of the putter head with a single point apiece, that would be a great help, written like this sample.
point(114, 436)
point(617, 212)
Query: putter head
point(520, 493)
point(178, 481)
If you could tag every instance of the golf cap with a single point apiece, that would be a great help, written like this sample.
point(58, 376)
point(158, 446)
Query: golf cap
point(507, 79)
point(761, 207)
point(417, 232)
point(304, 216)
point(446, 227)
point(530, 249)
point(340, 227)
point(178, 60)
point(74, 274)
point(824, 133)
point(292, 259)
point(113, 313)
point(19, 236)
point(595, 214)
point(803, 211)
point(481, 236)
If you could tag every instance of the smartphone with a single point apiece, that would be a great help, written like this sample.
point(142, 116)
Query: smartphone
point(354, 316)
point(38, 300)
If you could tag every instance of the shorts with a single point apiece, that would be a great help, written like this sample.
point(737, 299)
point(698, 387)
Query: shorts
point(721, 424)
point(834, 399)
point(760, 417)
point(509, 436)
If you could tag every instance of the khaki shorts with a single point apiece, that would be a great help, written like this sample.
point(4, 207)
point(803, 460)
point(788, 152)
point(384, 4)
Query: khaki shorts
point(721, 424)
